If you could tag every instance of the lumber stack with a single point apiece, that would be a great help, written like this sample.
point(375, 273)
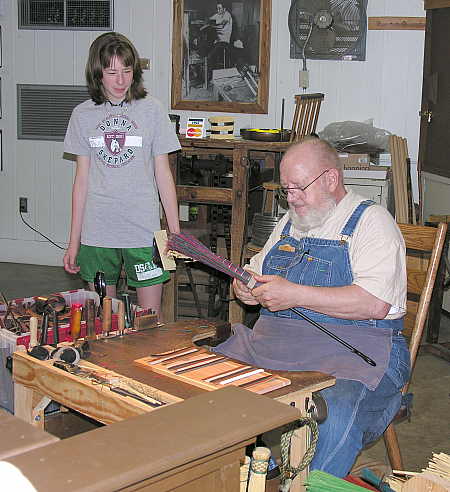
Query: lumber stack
point(404, 203)
point(434, 478)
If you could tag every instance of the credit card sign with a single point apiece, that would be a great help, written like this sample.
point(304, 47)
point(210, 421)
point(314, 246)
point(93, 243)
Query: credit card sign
point(196, 128)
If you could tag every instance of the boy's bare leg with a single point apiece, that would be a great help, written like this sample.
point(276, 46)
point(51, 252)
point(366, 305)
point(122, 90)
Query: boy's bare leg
point(150, 297)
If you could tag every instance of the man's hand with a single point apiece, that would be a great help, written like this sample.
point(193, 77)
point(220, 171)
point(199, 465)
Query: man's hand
point(243, 293)
point(276, 293)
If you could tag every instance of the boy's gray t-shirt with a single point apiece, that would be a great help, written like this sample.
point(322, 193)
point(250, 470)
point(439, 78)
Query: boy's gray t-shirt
point(122, 204)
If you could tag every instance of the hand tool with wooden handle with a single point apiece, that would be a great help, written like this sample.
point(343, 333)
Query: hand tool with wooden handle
point(121, 317)
point(33, 332)
point(90, 319)
point(107, 315)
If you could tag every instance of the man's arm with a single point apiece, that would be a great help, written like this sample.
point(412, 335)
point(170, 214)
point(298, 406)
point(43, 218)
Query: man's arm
point(348, 302)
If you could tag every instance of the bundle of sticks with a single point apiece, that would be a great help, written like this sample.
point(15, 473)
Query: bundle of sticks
point(434, 478)
point(404, 204)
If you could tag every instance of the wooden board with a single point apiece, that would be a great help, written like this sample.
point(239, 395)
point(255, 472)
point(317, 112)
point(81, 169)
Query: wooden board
point(168, 262)
point(211, 371)
point(396, 23)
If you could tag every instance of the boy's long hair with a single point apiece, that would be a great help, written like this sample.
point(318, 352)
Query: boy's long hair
point(102, 51)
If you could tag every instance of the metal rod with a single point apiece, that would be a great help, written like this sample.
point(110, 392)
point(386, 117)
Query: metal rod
point(335, 337)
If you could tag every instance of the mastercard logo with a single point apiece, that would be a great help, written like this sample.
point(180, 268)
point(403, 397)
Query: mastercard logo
point(194, 132)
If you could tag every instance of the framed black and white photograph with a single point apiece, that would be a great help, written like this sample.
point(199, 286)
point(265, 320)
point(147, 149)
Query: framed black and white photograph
point(221, 55)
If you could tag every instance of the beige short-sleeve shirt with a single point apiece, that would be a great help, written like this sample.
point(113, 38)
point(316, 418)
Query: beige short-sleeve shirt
point(377, 250)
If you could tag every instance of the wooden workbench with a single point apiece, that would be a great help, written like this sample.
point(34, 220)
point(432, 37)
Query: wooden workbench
point(38, 382)
point(241, 151)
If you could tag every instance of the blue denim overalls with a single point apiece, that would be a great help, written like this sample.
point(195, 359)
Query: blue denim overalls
point(356, 414)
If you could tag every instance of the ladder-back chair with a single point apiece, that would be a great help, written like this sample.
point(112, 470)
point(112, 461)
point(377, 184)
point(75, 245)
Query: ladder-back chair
point(424, 247)
point(306, 114)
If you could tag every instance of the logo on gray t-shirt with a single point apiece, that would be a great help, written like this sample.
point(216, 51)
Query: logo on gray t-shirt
point(116, 150)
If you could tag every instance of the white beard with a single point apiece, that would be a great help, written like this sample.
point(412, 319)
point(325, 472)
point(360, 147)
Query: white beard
point(314, 218)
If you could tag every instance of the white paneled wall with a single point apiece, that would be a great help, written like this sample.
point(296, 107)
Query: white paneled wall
point(385, 87)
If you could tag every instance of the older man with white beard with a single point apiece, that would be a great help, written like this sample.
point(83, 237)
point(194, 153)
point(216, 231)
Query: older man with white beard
point(339, 259)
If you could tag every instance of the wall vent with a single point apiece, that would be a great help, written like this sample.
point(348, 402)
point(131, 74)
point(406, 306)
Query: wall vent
point(81, 15)
point(43, 111)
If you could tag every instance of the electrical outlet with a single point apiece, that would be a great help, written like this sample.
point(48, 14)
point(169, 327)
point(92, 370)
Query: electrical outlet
point(23, 204)
point(304, 79)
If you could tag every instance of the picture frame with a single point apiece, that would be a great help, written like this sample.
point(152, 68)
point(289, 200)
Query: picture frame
point(221, 55)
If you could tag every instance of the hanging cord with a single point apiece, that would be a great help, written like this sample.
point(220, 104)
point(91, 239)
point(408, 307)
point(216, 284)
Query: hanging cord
point(40, 233)
point(289, 472)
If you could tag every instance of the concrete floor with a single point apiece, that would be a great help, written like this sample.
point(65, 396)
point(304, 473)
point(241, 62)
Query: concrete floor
point(427, 432)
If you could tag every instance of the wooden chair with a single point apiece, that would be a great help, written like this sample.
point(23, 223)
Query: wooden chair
point(424, 250)
point(306, 114)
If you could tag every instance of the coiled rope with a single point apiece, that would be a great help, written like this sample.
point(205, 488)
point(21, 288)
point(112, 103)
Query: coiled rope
point(289, 472)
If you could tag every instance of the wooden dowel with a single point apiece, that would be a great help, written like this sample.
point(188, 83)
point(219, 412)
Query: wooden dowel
point(405, 473)
point(404, 184)
point(400, 188)
point(121, 318)
point(33, 332)
point(90, 319)
point(107, 313)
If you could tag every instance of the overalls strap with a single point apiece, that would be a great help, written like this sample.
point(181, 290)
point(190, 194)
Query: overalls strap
point(350, 226)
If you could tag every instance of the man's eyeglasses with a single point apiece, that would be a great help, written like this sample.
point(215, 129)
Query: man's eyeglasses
point(283, 192)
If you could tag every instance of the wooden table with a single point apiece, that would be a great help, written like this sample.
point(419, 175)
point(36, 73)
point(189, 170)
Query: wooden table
point(196, 445)
point(38, 382)
point(240, 151)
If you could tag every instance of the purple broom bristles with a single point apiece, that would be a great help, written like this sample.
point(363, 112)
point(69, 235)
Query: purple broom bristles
point(190, 246)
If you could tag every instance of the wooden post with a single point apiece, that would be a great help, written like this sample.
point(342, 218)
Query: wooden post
point(238, 220)
point(169, 300)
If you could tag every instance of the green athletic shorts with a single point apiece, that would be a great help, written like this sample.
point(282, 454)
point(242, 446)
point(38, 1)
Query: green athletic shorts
point(137, 262)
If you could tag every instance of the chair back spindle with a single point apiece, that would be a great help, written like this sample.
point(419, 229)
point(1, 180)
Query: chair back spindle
point(306, 114)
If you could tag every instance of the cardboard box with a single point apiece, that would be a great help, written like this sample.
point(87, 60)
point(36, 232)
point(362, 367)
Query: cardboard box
point(355, 161)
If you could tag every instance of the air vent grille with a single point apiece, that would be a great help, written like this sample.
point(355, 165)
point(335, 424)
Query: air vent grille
point(88, 15)
point(43, 111)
